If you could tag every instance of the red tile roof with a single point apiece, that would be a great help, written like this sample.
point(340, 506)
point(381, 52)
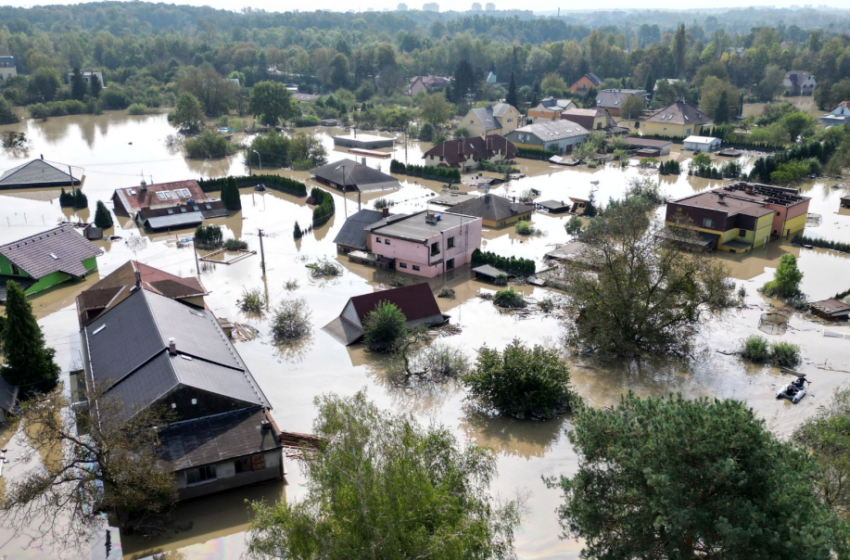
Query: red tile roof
point(416, 302)
point(136, 198)
point(456, 151)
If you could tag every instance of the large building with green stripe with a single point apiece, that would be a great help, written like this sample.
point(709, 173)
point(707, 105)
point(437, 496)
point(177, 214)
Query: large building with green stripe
point(46, 259)
point(742, 216)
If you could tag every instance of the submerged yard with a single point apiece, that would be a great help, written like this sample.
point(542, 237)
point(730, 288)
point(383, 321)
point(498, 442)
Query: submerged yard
point(116, 150)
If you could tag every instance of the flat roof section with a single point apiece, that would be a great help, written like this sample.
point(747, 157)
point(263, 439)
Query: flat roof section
point(416, 228)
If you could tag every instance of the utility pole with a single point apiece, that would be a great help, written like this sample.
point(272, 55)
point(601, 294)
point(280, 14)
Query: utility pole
point(197, 265)
point(262, 253)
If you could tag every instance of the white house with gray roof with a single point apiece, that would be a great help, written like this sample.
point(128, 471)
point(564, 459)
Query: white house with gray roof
point(500, 118)
point(556, 136)
point(7, 68)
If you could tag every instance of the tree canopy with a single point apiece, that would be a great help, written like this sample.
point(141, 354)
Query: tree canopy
point(672, 478)
point(374, 491)
point(272, 102)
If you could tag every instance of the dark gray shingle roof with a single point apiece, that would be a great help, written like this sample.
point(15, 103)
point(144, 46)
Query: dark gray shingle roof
point(175, 220)
point(215, 438)
point(362, 177)
point(488, 120)
point(36, 173)
point(60, 249)
point(491, 207)
point(353, 231)
point(127, 352)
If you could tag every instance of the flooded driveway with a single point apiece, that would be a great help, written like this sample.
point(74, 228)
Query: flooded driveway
point(116, 150)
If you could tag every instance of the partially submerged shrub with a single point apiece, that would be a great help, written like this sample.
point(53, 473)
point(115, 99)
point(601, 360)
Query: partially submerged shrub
point(290, 285)
point(385, 327)
point(324, 269)
point(781, 354)
point(510, 299)
point(252, 301)
point(381, 203)
point(785, 354)
point(756, 349)
point(522, 382)
point(291, 321)
point(236, 245)
point(524, 227)
point(547, 304)
point(208, 237)
point(397, 281)
point(447, 293)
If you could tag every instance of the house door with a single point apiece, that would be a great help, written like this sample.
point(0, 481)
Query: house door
point(450, 264)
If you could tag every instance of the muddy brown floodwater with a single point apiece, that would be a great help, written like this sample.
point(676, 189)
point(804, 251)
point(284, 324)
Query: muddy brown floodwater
point(116, 150)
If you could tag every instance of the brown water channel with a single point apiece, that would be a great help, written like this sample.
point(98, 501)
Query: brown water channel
point(115, 150)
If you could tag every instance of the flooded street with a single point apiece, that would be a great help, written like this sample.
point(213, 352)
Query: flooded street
point(116, 150)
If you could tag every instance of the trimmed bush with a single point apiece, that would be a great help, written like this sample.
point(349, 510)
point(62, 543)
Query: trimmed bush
point(208, 237)
point(534, 153)
point(513, 265)
point(102, 217)
point(324, 206)
point(447, 174)
point(274, 182)
point(524, 227)
point(823, 243)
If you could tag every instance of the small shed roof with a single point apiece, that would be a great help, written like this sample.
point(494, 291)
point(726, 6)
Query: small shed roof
point(707, 140)
point(60, 249)
point(553, 204)
point(183, 219)
point(37, 173)
point(832, 307)
point(353, 231)
point(489, 271)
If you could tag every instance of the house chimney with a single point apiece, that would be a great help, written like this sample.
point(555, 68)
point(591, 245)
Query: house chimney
point(172, 346)
point(385, 212)
point(486, 199)
point(143, 185)
point(749, 189)
point(138, 278)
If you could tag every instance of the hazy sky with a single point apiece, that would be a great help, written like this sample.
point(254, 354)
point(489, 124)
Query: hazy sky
point(540, 5)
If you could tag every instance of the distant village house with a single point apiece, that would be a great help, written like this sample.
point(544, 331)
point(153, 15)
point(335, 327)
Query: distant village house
point(556, 136)
point(677, 120)
point(467, 153)
point(428, 84)
point(494, 211)
point(799, 82)
point(585, 83)
point(7, 68)
point(164, 206)
point(500, 119)
point(549, 109)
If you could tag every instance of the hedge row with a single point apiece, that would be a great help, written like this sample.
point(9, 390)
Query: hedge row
point(824, 243)
point(512, 265)
point(764, 167)
point(274, 182)
point(755, 146)
point(534, 153)
point(426, 171)
point(324, 206)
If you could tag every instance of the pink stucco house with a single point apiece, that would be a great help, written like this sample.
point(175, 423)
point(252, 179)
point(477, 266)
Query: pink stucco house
point(427, 243)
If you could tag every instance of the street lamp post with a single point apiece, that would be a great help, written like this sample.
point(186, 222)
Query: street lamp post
point(260, 158)
point(344, 198)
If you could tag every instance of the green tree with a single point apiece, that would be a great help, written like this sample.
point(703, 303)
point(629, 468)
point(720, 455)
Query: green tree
point(385, 327)
point(553, 84)
point(435, 108)
point(680, 50)
point(79, 87)
point(649, 84)
point(521, 382)
point(465, 83)
point(43, 85)
point(29, 362)
point(798, 124)
point(673, 478)
point(710, 97)
point(633, 107)
point(188, 115)
point(786, 281)
point(574, 226)
point(339, 71)
point(721, 114)
point(512, 98)
point(272, 102)
point(230, 195)
point(271, 149)
point(382, 486)
point(99, 463)
point(648, 295)
point(102, 216)
point(81, 201)
point(95, 86)
point(7, 112)
point(827, 438)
